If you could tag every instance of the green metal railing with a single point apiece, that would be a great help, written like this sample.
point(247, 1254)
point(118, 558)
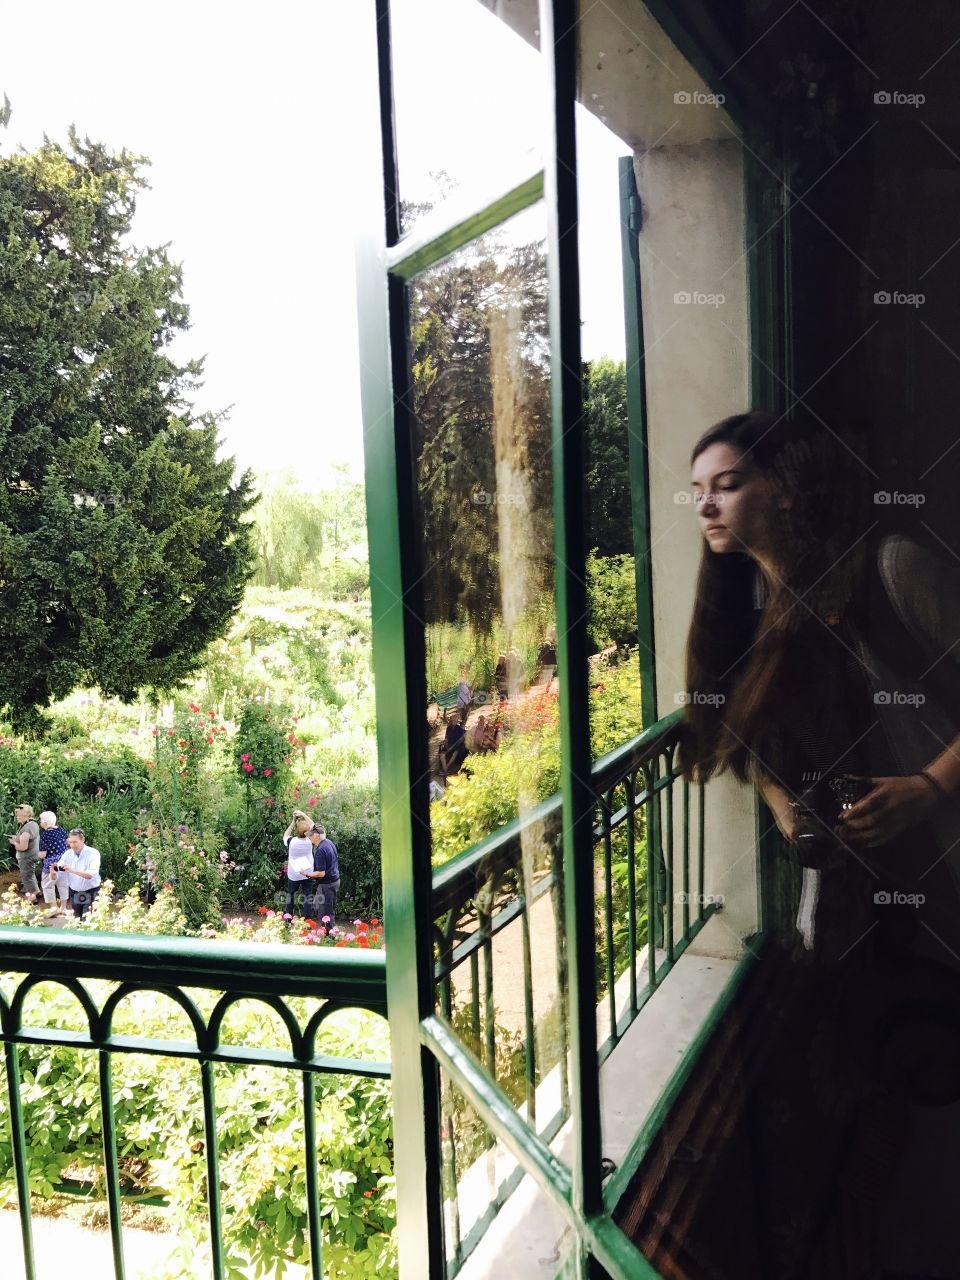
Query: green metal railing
point(494, 886)
point(171, 967)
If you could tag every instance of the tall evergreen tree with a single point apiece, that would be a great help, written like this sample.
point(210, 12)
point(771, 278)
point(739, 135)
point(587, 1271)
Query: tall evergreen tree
point(124, 543)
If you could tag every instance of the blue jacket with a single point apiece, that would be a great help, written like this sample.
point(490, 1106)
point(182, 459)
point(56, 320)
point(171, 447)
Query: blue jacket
point(325, 859)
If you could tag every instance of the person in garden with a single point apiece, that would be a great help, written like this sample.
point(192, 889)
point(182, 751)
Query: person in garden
point(326, 868)
point(26, 845)
point(80, 867)
point(823, 665)
point(464, 689)
point(548, 657)
point(300, 869)
point(53, 845)
point(453, 749)
point(500, 678)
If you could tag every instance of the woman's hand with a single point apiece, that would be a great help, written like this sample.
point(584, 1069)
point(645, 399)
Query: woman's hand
point(892, 806)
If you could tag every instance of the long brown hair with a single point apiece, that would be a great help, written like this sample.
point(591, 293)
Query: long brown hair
point(738, 654)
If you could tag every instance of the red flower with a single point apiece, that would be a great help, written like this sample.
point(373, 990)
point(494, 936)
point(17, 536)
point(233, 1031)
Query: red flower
point(194, 707)
point(213, 715)
point(262, 911)
point(267, 773)
point(246, 757)
point(363, 941)
point(291, 737)
point(210, 738)
point(248, 767)
point(312, 923)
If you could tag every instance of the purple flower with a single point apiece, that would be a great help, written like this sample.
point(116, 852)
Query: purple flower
point(287, 915)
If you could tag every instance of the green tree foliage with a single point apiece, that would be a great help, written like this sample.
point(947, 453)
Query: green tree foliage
point(456, 309)
point(611, 601)
point(609, 523)
point(124, 547)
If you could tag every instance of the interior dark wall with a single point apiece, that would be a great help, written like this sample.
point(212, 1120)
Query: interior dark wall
point(875, 209)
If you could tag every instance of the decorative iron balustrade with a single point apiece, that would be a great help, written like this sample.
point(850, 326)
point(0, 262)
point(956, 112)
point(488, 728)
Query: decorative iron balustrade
point(494, 887)
point(272, 974)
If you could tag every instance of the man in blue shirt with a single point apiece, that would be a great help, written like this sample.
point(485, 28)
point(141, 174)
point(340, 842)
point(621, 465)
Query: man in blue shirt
point(327, 869)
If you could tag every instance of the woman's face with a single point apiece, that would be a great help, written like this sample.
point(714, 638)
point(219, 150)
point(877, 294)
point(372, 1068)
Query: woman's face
point(734, 501)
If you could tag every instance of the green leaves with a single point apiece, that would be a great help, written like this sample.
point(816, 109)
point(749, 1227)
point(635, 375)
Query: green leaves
point(124, 544)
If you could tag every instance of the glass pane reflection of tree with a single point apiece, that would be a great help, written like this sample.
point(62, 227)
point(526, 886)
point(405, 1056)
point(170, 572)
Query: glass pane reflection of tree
point(481, 389)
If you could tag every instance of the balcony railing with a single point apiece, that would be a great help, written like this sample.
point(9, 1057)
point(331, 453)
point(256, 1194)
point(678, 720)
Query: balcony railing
point(647, 882)
point(180, 969)
point(648, 889)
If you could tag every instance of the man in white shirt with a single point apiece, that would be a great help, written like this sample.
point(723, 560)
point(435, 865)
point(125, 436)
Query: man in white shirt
point(81, 866)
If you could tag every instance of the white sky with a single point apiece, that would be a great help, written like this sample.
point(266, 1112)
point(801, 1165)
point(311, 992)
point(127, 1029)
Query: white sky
point(247, 124)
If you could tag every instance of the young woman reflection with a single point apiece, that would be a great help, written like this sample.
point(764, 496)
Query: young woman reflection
point(831, 654)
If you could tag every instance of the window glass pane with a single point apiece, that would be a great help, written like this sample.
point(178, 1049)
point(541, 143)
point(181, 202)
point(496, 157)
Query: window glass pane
point(468, 97)
point(479, 353)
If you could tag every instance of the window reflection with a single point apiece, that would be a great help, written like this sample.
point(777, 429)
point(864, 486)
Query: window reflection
point(467, 96)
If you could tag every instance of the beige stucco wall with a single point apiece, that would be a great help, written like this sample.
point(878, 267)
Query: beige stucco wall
point(696, 338)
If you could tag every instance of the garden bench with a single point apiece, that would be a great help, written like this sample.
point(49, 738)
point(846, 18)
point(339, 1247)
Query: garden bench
point(447, 699)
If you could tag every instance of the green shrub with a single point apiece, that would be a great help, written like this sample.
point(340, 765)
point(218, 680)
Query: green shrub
point(611, 600)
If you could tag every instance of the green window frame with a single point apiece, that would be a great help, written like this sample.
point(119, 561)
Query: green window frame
point(386, 264)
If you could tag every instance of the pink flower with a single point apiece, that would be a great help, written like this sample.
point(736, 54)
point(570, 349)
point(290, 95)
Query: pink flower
point(326, 919)
point(312, 801)
point(267, 773)
point(287, 915)
point(245, 757)
point(248, 767)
